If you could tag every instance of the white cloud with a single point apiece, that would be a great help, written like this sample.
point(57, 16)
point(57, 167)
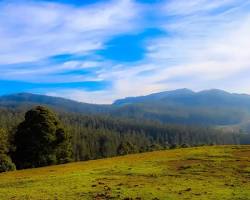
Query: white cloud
point(207, 48)
point(203, 51)
point(96, 97)
point(183, 7)
point(203, 58)
point(206, 45)
point(30, 31)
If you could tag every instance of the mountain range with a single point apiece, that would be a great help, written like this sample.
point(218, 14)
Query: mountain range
point(183, 106)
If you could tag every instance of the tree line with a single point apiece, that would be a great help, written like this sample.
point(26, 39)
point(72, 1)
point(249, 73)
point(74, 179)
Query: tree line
point(40, 137)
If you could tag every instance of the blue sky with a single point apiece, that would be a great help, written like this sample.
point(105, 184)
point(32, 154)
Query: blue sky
point(99, 51)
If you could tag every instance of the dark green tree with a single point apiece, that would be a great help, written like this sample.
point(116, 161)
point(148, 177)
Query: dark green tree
point(41, 140)
point(6, 163)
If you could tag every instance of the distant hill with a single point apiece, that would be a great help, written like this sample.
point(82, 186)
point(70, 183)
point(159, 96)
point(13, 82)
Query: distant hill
point(27, 100)
point(183, 106)
point(185, 97)
point(215, 107)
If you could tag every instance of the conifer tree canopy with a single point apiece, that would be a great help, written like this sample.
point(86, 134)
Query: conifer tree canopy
point(41, 140)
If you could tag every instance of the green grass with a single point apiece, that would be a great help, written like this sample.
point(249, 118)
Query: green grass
point(219, 172)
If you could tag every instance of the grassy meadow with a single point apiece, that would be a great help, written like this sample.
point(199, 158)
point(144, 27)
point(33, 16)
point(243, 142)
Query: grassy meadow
point(216, 172)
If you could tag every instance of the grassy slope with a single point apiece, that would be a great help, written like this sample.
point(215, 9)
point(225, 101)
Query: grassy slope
point(193, 173)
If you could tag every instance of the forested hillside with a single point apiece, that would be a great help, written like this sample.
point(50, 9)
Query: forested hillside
point(160, 121)
point(213, 107)
point(99, 136)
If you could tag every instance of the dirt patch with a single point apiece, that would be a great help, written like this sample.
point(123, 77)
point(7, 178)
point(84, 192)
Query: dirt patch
point(242, 154)
point(183, 164)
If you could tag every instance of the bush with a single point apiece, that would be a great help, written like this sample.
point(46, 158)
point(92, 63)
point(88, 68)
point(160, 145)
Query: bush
point(185, 146)
point(173, 146)
point(155, 147)
point(6, 164)
point(126, 148)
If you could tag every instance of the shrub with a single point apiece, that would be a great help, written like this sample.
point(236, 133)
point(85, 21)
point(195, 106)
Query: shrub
point(185, 146)
point(173, 146)
point(6, 164)
point(126, 148)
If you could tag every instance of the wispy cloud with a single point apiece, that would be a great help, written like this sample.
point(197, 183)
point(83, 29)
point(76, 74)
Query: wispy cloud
point(35, 30)
point(182, 7)
point(206, 46)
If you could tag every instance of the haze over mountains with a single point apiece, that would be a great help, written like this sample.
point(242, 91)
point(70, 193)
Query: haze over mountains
point(183, 106)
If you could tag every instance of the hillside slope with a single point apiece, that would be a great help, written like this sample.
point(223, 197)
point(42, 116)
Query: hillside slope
point(218, 172)
point(28, 100)
point(211, 107)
